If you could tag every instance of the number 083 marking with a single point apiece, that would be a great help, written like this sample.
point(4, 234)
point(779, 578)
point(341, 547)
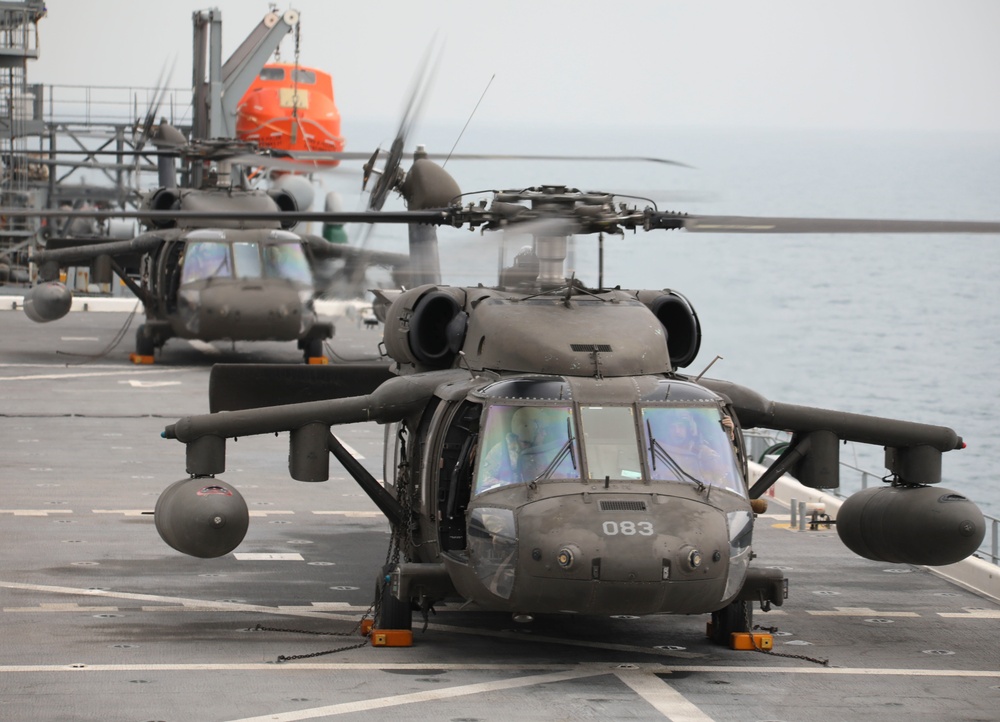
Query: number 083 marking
point(628, 528)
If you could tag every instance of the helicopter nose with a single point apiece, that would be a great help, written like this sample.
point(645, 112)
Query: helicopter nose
point(251, 311)
point(652, 553)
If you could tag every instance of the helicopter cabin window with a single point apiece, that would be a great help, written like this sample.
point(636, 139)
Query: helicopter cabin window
point(287, 260)
point(610, 443)
point(391, 457)
point(690, 444)
point(205, 260)
point(272, 74)
point(526, 443)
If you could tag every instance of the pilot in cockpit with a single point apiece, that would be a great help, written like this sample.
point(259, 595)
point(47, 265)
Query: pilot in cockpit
point(535, 438)
point(696, 451)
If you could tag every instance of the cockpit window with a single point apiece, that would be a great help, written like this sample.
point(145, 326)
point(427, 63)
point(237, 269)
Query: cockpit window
point(691, 445)
point(286, 260)
point(206, 260)
point(610, 443)
point(527, 443)
point(247, 256)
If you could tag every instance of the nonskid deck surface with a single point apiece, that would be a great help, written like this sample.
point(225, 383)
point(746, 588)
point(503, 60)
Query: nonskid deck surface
point(102, 621)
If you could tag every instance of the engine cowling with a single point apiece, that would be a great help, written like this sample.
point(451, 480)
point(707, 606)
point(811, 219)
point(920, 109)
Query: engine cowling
point(202, 517)
point(911, 525)
point(163, 199)
point(287, 202)
point(47, 302)
point(426, 326)
point(680, 322)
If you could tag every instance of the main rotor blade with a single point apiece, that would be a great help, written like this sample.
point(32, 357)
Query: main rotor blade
point(391, 175)
point(438, 217)
point(753, 224)
point(584, 222)
point(587, 158)
point(144, 132)
point(305, 161)
point(303, 157)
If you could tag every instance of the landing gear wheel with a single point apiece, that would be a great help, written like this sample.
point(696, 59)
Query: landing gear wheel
point(145, 345)
point(392, 613)
point(312, 348)
point(737, 616)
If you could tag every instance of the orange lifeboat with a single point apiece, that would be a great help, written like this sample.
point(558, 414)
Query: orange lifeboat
point(291, 108)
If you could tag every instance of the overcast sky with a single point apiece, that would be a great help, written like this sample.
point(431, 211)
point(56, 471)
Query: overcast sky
point(884, 64)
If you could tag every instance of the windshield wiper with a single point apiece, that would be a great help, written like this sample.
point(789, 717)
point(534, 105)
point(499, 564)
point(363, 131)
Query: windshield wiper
point(566, 448)
point(656, 451)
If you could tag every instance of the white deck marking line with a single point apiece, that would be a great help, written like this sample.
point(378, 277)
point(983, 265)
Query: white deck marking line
point(268, 557)
point(54, 366)
point(353, 514)
point(35, 512)
point(972, 614)
point(858, 612)
point(60, 607)
point(339, 606)
point(193, 604)
point(79, 338)
point(123, 512)
point(667, 700)
point(428, 696)
point(269, 512)
point(466, 667)
point(121, 372)
point(138, 384)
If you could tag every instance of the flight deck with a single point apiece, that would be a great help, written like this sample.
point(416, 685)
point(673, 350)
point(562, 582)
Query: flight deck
point(103, 621)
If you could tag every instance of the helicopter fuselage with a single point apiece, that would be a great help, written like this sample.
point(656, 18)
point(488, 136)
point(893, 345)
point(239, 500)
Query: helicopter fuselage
point(238, 284)
point(235, 280)
point(543, 454)
point(545, 494)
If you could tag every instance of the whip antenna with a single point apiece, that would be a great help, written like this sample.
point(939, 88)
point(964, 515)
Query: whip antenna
point(469, 120)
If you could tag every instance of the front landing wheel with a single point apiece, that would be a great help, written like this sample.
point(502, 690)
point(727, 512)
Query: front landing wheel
point(145, 344)
point(311, 348)
point(736, 616)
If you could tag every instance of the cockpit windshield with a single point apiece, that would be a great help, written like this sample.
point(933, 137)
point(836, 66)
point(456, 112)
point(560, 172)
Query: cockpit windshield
point(690, 444)
point(244, 260)
point(247, 257)
point(524, 444)
point(206, 259)
point(609, 442)
point(286, 260)
point(527, 443)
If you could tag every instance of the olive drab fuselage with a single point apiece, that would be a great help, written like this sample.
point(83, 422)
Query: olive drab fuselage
point(548, 494)
point(573, 470)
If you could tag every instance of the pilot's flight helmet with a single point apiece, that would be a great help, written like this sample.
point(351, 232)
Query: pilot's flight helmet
point(526, 424)
point(682, 423)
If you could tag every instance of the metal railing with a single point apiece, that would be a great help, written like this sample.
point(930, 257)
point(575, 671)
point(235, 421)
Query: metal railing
point(97, 104)
point(760, 442)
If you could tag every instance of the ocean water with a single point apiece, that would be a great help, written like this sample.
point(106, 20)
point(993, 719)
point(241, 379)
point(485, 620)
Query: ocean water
point(901, 326)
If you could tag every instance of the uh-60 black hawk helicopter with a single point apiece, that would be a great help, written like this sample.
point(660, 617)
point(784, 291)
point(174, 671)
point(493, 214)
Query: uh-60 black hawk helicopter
point(205, 268)
point(545, 452)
